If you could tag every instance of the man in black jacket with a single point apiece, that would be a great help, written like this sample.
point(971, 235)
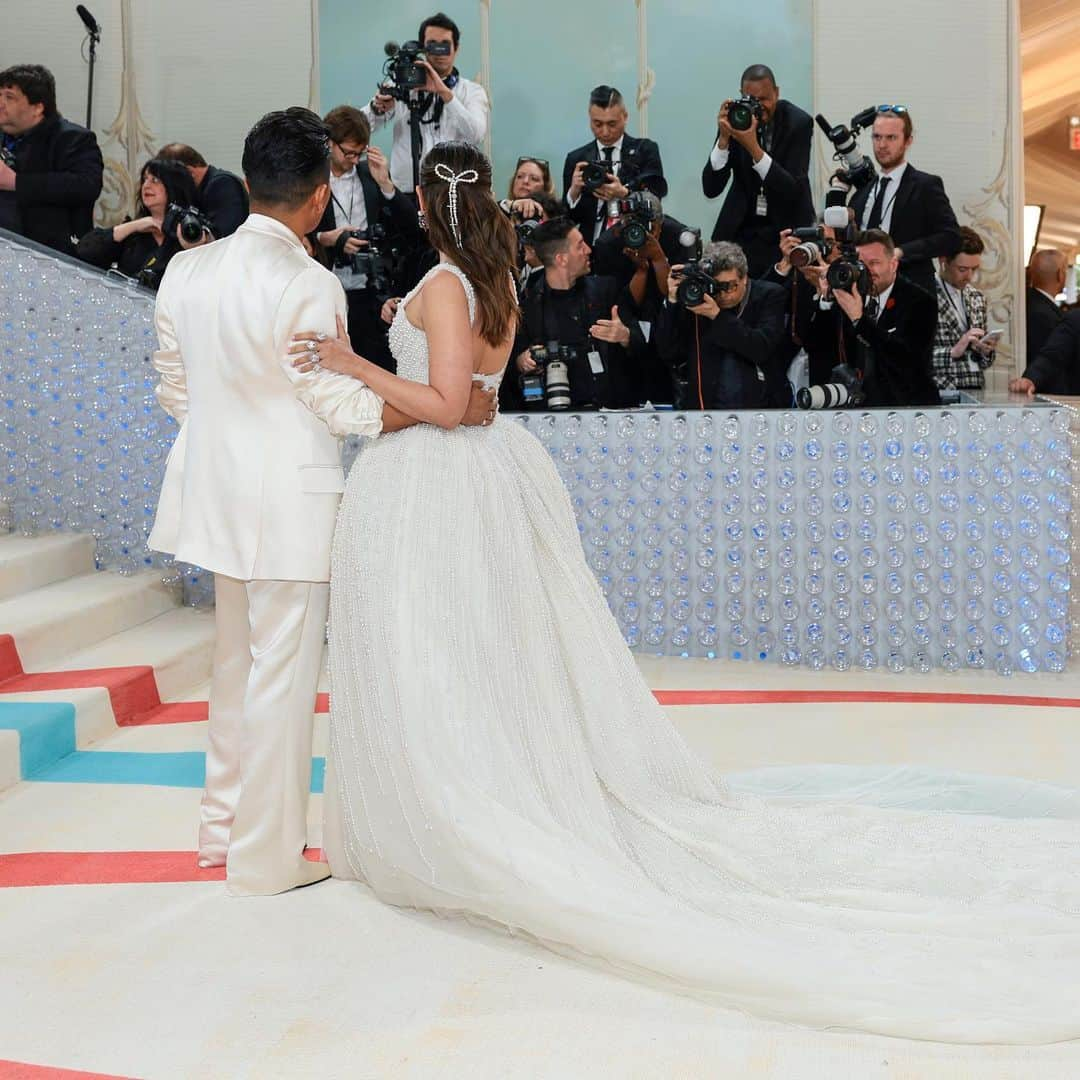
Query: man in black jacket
point(221, 195)
point(632, 165)
point(364, 201)
point(1046, 278)
point(724, 350)
point(911, 206)
point(585, 312)
point(1056, 370)
point(768, 164)
point(51, 172)
point(888, 336)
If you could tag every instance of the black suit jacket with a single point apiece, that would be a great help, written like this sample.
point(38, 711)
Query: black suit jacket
point(620, 384)
point(1043, 316)
point(608, 259)
point(59, 171)
point(1056, 370)
point(922, 223)
point(640, 167)
point(786, 188)
point(224, 199)
point(894, 353)
point(738, 354)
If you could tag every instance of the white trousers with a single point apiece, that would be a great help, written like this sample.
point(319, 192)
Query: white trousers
point(267, 660)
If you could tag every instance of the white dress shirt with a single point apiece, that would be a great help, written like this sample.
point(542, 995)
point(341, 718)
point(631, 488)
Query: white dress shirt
point(895, 176)
point(719, 158)
point(464, 117)
point(956, 299)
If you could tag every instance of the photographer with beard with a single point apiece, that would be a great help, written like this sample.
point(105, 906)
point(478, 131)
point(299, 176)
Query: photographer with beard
point(768, 165)
point(887, 337)
point(723, 351)
point(585, 312)
point(454, 107)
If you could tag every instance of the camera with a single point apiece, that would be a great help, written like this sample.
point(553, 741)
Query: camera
point(849, 273)
point(845, 390)
point(636, 214)
point(696, 281)
point(742, 110)
point(192, 221)
point(7, 157)
point(377, 262)
point(549, 385)
point(815, 246)
point(525, 229)
point(594, 175)
point(856, 169)
point(402, 73)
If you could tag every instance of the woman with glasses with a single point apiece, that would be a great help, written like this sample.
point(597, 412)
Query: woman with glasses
point(531, 174)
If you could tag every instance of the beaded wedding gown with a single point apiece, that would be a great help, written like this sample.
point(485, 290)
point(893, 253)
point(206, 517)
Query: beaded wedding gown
point(495, 754)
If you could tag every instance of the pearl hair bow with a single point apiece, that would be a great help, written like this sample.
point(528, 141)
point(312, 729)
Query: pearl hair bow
point(469, 176)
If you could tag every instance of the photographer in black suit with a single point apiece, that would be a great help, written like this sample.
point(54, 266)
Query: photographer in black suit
point(1056, 370)
point(585, 312)
point(887, 336)
point(768, 164)
point(1046, 278)
point(630, 165)
point(911, 206)
point(363, 201)
point(51, 169)
point(723, 351)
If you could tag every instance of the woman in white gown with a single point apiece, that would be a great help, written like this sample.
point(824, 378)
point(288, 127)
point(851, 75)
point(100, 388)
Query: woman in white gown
point(495, 753)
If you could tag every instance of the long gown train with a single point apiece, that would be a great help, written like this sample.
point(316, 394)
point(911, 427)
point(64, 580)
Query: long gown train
point(495, 753)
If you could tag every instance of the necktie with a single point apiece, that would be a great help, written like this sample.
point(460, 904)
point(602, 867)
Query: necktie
point(602, 219)
point(870, 309)
point(874, 221)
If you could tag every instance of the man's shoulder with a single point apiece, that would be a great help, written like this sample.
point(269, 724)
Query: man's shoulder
point(579, 153)
point(218, 177)
point(920, 178)
point(767, 290)
point(793, 115)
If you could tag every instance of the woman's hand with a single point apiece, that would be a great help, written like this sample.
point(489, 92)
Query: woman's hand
point(129, 228)
point(315, 351)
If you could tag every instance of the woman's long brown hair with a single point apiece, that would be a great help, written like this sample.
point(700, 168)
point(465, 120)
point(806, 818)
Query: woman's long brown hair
point(488, 244)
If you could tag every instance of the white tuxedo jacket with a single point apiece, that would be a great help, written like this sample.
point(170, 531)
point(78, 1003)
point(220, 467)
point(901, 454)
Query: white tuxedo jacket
point(253, 481)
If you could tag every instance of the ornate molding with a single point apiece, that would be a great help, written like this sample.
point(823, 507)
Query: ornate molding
point(646, 75)
point(129, 130)
point(484, 76)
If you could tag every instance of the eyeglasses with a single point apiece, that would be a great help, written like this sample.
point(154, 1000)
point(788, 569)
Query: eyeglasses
point(897, 110)
point(353, 155)
point(726, 286)
point(542, 162)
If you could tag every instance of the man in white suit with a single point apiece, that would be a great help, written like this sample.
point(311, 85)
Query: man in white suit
point(251, 492)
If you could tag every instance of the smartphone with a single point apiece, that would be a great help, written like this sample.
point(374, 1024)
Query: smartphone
point(991, 337)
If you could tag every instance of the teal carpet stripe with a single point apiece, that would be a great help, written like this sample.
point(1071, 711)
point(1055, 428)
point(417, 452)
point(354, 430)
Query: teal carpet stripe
point(181, 770)
point(46, 732)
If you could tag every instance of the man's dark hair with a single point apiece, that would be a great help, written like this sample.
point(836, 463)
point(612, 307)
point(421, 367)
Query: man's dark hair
point(971, 243)
point(549, 239)
point(757, 72)
point(605, 97)
point(184, 154)
point(876, 236)
point(35, 81)
point(286, 157)
point(443, 22)
point(345, 123)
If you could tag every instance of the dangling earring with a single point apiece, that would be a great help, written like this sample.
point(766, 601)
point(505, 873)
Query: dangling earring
point(421, 219)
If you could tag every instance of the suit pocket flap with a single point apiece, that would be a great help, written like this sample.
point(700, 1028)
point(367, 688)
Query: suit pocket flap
point(322, 479)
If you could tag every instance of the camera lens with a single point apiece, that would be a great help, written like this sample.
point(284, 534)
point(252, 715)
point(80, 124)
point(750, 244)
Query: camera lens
point(740, 116)
point(634, 234)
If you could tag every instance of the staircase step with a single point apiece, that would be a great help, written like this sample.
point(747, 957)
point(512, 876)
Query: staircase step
point(58, 620)
point(30, 562)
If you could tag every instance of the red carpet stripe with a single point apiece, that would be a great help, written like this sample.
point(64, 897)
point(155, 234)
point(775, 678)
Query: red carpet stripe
point(803, 697)
point(10, 664)
point(18, 1070)
point(179, 712)
point(132, 690)
point(109, 868)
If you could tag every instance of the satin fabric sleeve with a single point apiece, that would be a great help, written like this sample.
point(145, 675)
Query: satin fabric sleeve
point(310, 302)
point(171, 391)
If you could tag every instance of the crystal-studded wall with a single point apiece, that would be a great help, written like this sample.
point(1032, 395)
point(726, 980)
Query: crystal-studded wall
point(83, 441)
point(907, 540)
point(900, 540)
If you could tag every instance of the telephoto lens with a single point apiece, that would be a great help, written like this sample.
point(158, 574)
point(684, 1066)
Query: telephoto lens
point(825, 396)
point(806, 254)
point(558, 381)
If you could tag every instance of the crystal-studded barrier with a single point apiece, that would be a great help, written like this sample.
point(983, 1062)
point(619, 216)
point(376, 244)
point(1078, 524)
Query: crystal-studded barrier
point(905, 540)
point(83, 441)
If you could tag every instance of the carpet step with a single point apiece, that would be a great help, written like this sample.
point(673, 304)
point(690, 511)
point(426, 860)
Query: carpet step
point(28, 563)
